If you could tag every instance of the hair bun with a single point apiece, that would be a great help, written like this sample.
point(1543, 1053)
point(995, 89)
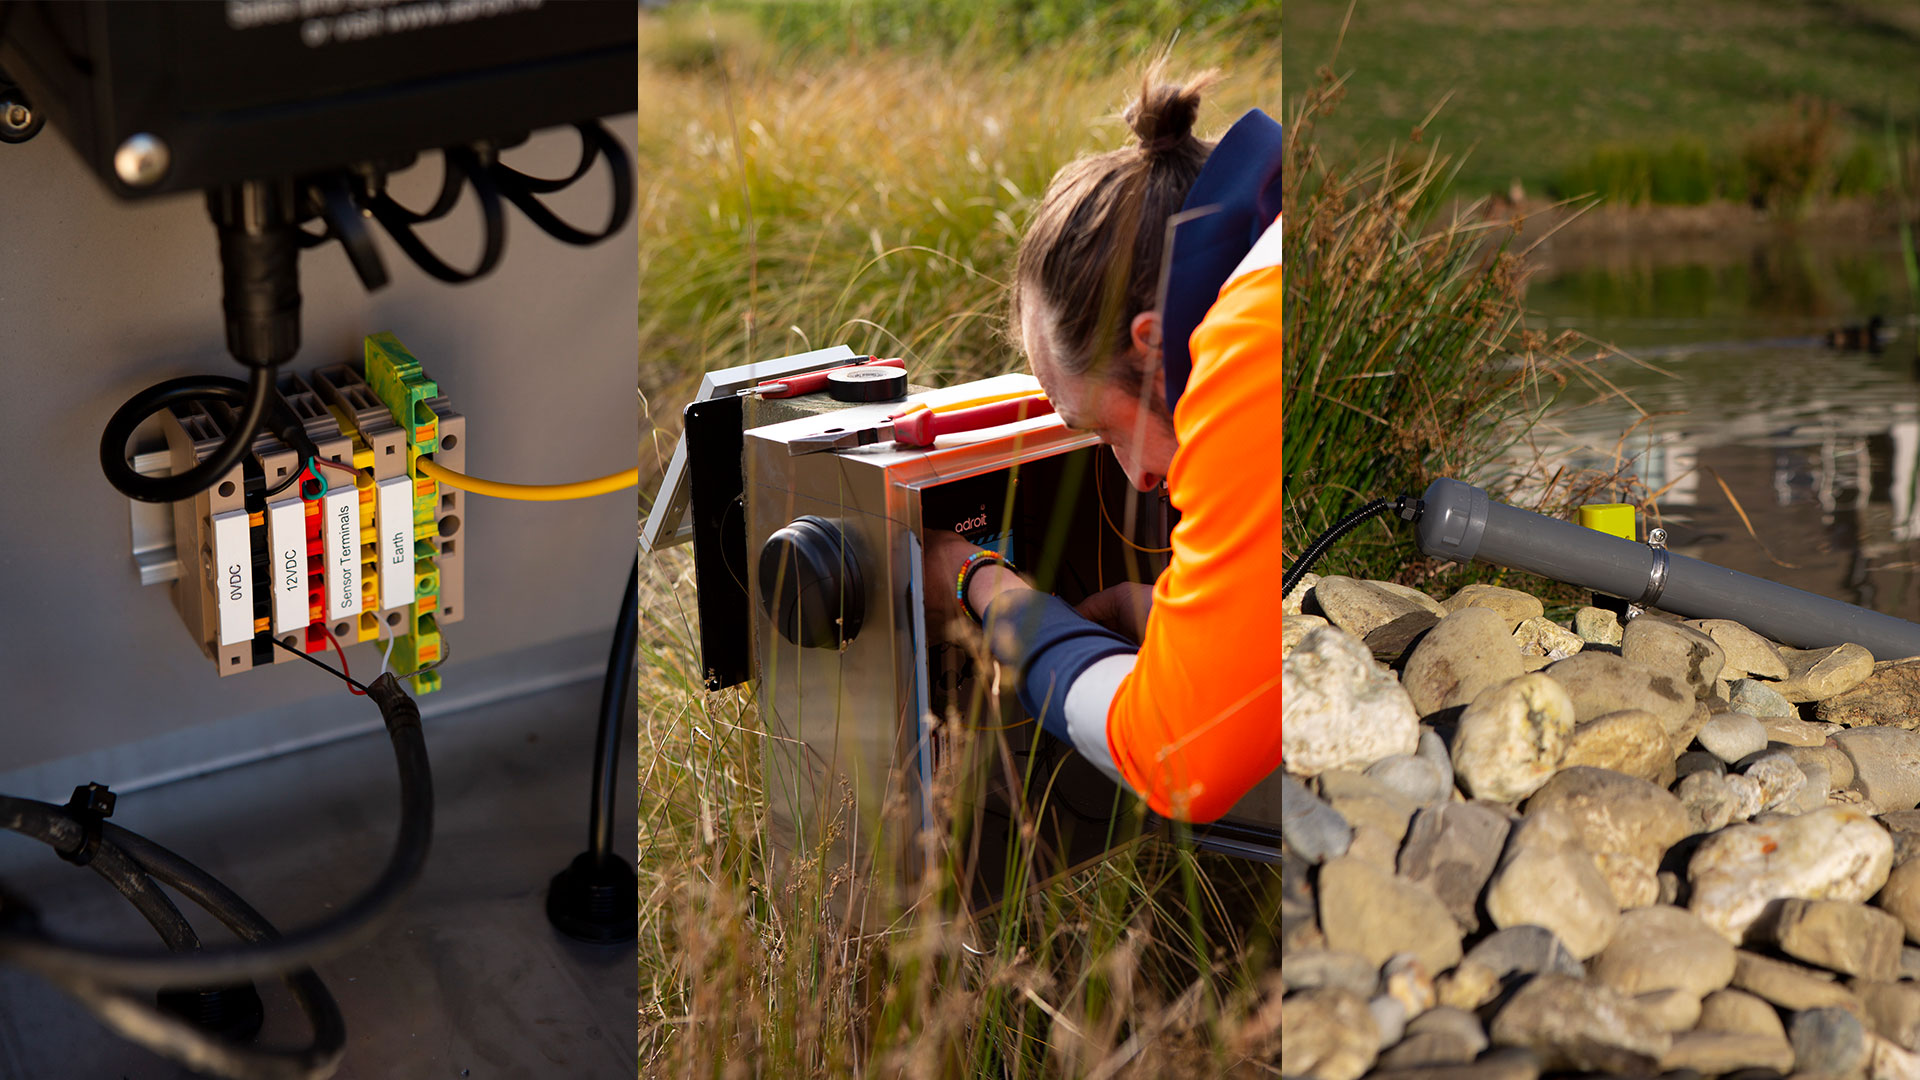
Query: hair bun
point(1163, 116)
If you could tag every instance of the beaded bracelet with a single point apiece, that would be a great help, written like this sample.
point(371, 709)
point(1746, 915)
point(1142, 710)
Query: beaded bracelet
point(974, 562)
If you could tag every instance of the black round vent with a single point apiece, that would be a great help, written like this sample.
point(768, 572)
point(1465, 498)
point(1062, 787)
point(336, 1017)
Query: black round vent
point(810, 583)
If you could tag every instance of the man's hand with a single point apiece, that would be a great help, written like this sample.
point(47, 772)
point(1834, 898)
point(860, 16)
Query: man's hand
point(1121, 608)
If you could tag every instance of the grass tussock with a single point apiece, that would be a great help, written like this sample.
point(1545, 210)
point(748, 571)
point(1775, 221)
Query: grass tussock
point(1406, 353)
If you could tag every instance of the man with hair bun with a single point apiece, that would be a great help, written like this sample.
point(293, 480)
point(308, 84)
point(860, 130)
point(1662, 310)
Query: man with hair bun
point(1173, 690)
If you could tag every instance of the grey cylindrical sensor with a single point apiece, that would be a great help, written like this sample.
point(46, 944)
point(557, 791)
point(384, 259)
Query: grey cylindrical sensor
point(1459, 522)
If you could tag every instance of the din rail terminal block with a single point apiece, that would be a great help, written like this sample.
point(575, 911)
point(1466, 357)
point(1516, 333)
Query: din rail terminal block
point(364, 549)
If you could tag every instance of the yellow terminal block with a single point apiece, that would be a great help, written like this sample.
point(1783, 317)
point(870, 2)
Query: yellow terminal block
point(1614, 519)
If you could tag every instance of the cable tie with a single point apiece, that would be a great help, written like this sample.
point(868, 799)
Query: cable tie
point(89, 805)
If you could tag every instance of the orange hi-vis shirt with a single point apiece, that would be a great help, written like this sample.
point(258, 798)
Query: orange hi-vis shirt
point(1196, 723)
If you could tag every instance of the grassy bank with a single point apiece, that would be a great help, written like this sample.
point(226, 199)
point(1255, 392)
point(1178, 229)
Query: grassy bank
point(1640, 100)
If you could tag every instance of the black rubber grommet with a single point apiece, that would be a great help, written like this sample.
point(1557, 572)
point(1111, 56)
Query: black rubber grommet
point(811, 584)
point(595, 900)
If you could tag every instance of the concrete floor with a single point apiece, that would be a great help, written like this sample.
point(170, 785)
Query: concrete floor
point(469, 980)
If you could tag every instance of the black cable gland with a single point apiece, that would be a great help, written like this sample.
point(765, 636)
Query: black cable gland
point(232, 1013)
point(257, 222)
point(595, 900)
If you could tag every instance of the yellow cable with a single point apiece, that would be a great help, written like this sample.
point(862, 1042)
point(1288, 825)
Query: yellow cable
point(579, 489)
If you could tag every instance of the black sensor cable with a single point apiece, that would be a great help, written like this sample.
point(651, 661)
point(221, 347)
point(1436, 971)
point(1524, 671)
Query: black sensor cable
point(355, 923)
point(1406, 506)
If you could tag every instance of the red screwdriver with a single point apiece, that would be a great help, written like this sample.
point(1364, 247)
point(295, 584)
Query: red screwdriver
point(919, 425)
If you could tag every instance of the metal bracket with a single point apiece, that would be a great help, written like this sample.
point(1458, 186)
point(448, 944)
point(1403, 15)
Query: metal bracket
point(155, 554)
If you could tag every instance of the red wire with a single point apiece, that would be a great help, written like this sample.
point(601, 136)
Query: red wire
point(343, 468)
point(328, 630)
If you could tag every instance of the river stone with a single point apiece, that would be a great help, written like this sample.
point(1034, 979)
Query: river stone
point(1793, 731)
point(1510, 1063)
point(1850, 938)
point(1343, 710)
point(1904, 825)
point(1441, 1036)
point(1468, 986)
point(1829, 854)
point(1901, 897)
point(1526, 950)
point(1756, 698)
point(1433, 748)
point(1464, 654)
point(1295, 601)
point(1413, 777)
point(1664, 948)
point(1818, 674)
point(1597, 626)
point(1366, 910)
point(1814, 794)
point(1748, 796)
point(1575, 1025)
point(1676, 649)
point(1546, 878)
point(1887, 1061)
point(1512, 605)
point(1780, 779)
point(1295, 627)
point(1892, 1010)
point(1632, 741)
point(1889, 696)
point(1327, 1034)
point(1600, 683)
point(1361, 607)
point(1512, 738)
point(1363, 800)
point(1670, 1010)
point(1531, 664)
point(1451, 850)
point(1312, 828)
point(1400, 635)
point(1694, 761)
point(1308, 969)
point(1626, 824)
point(1406, 980)
point(1708, 800)
point(1886, 764)
point(1299, 923)
point(1745, 649)
point(1389, 1019)
point(1789, 986)
point(1737, 1012)
point(1718, 1053)
point(1732, 736)
point(1541, 636)
point(1828, 1043)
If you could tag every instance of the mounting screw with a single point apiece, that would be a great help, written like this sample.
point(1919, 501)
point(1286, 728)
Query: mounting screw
point(18, 121)
point(142, 160)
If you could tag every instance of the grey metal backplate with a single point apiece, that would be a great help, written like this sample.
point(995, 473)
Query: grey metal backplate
point(99, 299)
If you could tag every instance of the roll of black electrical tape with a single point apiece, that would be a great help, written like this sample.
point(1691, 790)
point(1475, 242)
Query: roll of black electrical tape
point(867, 384)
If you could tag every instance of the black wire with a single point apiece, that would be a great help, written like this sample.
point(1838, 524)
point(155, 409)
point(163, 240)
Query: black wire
point(353, 924)
point(399, 221)
point(326, 667)
point(1340, 528)
point(617, 704)
point(524, 191)
point(252, 396)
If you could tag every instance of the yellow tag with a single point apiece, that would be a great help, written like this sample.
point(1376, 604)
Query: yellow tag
point(1614, 519)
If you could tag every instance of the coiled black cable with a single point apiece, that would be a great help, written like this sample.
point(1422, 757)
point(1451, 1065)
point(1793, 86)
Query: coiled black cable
point(353, 924)
point(251, 398)
point(1404, 505)
point(523, 190)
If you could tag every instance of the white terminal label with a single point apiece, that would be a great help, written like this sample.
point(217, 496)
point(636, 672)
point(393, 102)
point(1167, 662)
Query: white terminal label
point(396, 541)
point(340, 528)
point(287, 540)
point(233, 576)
